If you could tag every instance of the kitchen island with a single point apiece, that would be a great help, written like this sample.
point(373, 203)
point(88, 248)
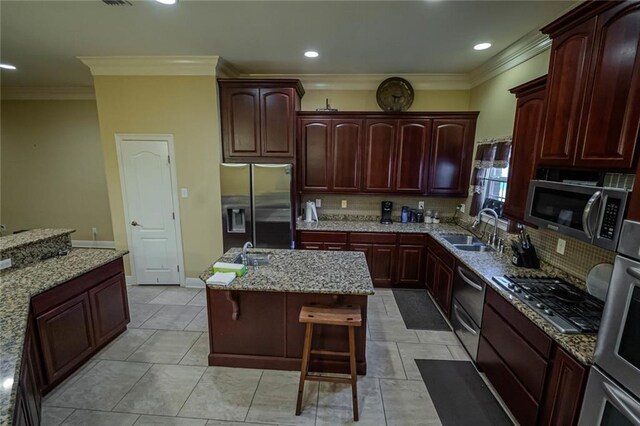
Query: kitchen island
point(253, 322)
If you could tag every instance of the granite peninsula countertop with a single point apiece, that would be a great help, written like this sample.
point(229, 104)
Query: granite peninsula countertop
point(14, 241)
point(302, 271)
point(17, 286)
point(485, 265)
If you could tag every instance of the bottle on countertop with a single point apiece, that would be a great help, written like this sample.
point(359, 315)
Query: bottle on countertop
point(427, 217)
point(404, 215)
point(436, 218)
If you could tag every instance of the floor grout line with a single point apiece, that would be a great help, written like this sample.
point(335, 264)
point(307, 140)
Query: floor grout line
point(253, 396)
point(204, 371)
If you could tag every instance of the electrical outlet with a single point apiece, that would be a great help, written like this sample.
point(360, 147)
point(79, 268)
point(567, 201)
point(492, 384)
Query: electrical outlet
point(562, 244)
point(184, 192)
point(462, 207)
point(318, 202)
point(94, 231)
point(421, 205)
point(343, 204)
point(5, 263)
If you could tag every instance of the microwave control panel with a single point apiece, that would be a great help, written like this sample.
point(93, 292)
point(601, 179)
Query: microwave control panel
point(610, 217)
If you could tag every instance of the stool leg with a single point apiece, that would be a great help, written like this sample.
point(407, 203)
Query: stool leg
point(354, 374)
point(306, 354)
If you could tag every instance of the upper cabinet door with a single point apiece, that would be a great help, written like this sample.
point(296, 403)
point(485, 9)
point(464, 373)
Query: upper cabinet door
point(315, 154)
point(412, 155)
point(568, 68)
point(346, 155)
point(526, 135)
point(277, 117)
point(451, 151)
point(379, 155)
point(611, 115)
point(240, 109)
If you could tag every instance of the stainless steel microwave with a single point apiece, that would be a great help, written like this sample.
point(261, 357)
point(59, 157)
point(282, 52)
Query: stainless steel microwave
point(587, 213)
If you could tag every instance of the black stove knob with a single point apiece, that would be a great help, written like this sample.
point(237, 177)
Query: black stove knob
point(510, 285)
point(517, 289)
point(548, 312)
point(526, 296)
point(539, 305)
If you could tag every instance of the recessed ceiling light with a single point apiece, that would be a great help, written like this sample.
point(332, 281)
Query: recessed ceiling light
point(7, 67)
point(167, 1)
point(311, 54)
point(482, 46)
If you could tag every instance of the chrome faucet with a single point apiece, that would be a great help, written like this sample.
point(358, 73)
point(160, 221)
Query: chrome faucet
point(246, 247)
point(492, 212)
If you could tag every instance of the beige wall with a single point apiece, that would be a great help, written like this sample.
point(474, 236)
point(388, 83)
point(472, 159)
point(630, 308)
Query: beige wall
point(496, 105)
point(52, 168)
point(365, 100)
point(187, 108)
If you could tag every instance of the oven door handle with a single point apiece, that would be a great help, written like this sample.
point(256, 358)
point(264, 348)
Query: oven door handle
point(586, 214)
point(634, 272)
point(623, 403)
point(457, 313)
point(468, 281)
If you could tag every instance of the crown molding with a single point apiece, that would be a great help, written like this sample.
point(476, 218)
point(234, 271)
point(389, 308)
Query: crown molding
point(77, 93)
point(151, 65)
point(528, 46)
point(226, 70)
point(372, 81)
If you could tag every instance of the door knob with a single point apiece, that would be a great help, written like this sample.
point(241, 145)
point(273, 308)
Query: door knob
point(134, 223)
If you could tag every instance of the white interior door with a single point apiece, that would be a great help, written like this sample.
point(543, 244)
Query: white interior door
point(149, 198)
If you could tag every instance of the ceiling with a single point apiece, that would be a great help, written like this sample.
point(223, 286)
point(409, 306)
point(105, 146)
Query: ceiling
point(43, 38)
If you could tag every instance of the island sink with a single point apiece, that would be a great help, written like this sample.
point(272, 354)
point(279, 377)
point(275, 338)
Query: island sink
point(253, 259)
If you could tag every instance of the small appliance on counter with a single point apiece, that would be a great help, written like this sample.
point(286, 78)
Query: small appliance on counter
point(420, 216)
point(387, 206)
point(310, 212)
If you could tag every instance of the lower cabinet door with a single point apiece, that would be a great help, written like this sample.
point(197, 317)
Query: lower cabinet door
point(410, 266)
point(66, 336)
point(383, 265)
point(444, 287)
point(109, 308)
point(364, 248)
point(430, 275)
point(30, 377)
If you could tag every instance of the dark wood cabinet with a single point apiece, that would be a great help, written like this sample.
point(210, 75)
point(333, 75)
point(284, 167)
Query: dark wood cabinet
point(109, 308)
point(443, 286)
point(258, 118)
point(439, 276)
point(383, 265)
point(452, 143)
point(411, 261)
point(565, 389)
point(385, 153)
point(311, 240)
point(412, 156)
point(592, 109)
point(66, 336)
point(526, 135)
point(379, 155)
point(430, 271)
point(27, 410)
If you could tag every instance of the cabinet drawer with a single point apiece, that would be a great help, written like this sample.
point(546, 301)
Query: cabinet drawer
point(322, 237)
point(414, 239)
point(335, 246)
point(373, 238)
point(523, 361)
point(520, 403)
point(535, 337)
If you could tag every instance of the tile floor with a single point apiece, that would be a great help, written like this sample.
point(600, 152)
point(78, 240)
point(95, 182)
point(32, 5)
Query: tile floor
point(156, 373)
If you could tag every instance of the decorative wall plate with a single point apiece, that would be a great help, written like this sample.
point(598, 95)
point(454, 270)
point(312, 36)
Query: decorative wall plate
point(395, 94)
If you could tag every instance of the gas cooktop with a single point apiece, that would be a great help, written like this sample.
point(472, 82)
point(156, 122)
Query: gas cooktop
point(566, 307)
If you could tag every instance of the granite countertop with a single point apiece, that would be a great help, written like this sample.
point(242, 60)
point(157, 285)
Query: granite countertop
point(486, 266)
point(14, 241)
point(16, 289)
point(303, 271)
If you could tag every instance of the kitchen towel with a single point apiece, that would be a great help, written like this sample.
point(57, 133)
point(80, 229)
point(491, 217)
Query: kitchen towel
point(222, 278)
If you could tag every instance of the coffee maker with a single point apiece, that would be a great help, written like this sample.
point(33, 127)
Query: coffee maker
point(387, 206)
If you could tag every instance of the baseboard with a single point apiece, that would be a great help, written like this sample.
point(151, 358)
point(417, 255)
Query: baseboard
point(93, 244)
point(131, 280)
point(194, 283)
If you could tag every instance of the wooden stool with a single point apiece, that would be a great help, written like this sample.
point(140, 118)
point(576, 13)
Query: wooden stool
point(347, 316)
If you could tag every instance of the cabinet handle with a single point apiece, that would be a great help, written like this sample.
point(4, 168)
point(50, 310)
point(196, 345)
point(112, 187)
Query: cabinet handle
point(634, 272)
point(457, 312)
point(468, 281)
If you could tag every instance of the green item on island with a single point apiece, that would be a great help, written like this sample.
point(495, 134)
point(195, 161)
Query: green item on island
point(240, 270)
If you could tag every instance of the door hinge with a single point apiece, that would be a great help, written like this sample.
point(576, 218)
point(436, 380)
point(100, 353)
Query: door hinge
point(169, 159)
point(178, 266)
point(173, 215)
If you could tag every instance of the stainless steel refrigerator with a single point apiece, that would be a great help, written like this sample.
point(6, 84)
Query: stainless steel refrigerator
point(256, 205)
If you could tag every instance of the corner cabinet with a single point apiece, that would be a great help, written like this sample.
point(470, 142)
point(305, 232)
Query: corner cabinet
point(592, 110)
point(384, 153)
point(258, 118)
point(526, 136)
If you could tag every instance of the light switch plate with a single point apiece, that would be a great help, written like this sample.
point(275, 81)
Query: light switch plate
point(5, 263)
point(562, 244)
point(318, 202)
point(343, 204)
point(462, 207)
point(184, 192)
point(421, 205)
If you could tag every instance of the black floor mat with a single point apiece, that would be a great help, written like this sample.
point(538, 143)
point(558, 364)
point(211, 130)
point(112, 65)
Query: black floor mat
point(418, 311)
point(460, 395)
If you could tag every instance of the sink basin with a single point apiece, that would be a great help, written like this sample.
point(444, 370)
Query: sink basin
point(461, 239)
point(480, 247)
point(253, 259)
